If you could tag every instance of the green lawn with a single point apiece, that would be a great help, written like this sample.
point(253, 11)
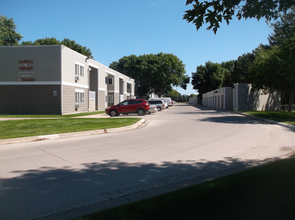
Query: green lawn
point(265, 192)
point(286, 117)
point(52, 116)
point(36, 127)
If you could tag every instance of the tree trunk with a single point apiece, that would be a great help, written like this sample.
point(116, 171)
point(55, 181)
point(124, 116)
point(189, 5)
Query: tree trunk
point(290, 109)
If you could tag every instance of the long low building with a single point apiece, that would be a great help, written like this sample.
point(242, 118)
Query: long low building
point(240, 97)
point(54, 79)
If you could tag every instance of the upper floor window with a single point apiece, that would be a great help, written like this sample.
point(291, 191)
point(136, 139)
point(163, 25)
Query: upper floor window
point(79, 70)
point(109, 80)
point(129, 87)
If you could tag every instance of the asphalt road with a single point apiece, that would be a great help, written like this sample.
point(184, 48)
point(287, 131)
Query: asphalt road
point(183, 145)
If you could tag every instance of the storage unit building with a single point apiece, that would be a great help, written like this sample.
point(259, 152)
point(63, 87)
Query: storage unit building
point(240, 97)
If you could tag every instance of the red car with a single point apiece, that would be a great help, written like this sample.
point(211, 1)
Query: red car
point(139, 106)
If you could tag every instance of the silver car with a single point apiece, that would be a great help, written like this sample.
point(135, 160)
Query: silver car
point(159, 103)
point(153, 109)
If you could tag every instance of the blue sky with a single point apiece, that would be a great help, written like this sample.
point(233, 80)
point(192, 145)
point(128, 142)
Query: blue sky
point(117, 28)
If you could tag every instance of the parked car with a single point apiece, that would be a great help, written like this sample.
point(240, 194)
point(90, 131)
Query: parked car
point(153, 109)
point(159, 103)
point(166, 104)
point(139, 106)
point(165, 99)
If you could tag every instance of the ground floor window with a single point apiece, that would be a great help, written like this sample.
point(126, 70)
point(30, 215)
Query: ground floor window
point(79, 96)
point(109, 98)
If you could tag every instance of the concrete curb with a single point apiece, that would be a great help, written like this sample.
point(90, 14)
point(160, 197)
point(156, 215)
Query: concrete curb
point(140, 124)
point(292, 127)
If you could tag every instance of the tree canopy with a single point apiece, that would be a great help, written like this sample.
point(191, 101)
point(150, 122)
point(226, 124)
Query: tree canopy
point(213, 12)
point(208, 77)
point(274, 69)
point(8, 35)
point(67, 42)
point(283, 28)
point(153, 72)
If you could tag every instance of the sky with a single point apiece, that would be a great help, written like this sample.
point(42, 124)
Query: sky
point(118, 28)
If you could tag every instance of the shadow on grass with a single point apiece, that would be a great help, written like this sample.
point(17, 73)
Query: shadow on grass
point(30, 194)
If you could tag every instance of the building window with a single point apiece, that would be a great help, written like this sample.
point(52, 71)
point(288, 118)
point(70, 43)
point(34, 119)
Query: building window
point(76, 69)
point(79, 70)
point(109, 98)
point(109, 80)
point(79, 97)
point(128, 87)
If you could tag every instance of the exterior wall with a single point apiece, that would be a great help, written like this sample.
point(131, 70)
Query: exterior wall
point(101, 100)
point(193, 100)
point(30, 99)
point(246, 100)
point(35, 64)
point(30, 80)
point(228, 98)
point(241, 98)
point(69, 100)
point(53, 67)
point(94, 85)
point(70, 85)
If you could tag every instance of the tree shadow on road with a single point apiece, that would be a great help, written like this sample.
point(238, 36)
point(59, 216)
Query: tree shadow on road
point(45, 191)
point(233, 119)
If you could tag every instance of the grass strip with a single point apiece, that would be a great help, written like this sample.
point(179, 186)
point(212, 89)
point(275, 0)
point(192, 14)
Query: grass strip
point(36, 127)
point(285, 117)
point(265, 192)
point(52, 116)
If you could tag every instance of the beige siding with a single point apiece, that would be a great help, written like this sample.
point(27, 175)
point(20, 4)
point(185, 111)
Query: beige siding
point(101, 100)
point(69, 100)
point(69, 59)
point(91, 106)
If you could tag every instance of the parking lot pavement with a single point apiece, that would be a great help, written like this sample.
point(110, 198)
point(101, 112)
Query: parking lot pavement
point(181, 146)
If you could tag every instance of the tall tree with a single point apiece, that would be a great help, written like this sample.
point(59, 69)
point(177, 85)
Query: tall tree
point(213, 12)
point(67, 42)
point(274, 69)
point(8, 35)
point(283, 28)
point(208, 77)
point(240, 72)
point(228, 66)
point(153, 72)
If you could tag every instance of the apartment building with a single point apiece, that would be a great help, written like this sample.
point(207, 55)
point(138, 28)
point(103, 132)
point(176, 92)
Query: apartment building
point(53, 79)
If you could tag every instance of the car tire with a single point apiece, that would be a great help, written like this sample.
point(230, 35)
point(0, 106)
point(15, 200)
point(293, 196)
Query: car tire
point(113, 113)
point(140, 112)
point(159, 108)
